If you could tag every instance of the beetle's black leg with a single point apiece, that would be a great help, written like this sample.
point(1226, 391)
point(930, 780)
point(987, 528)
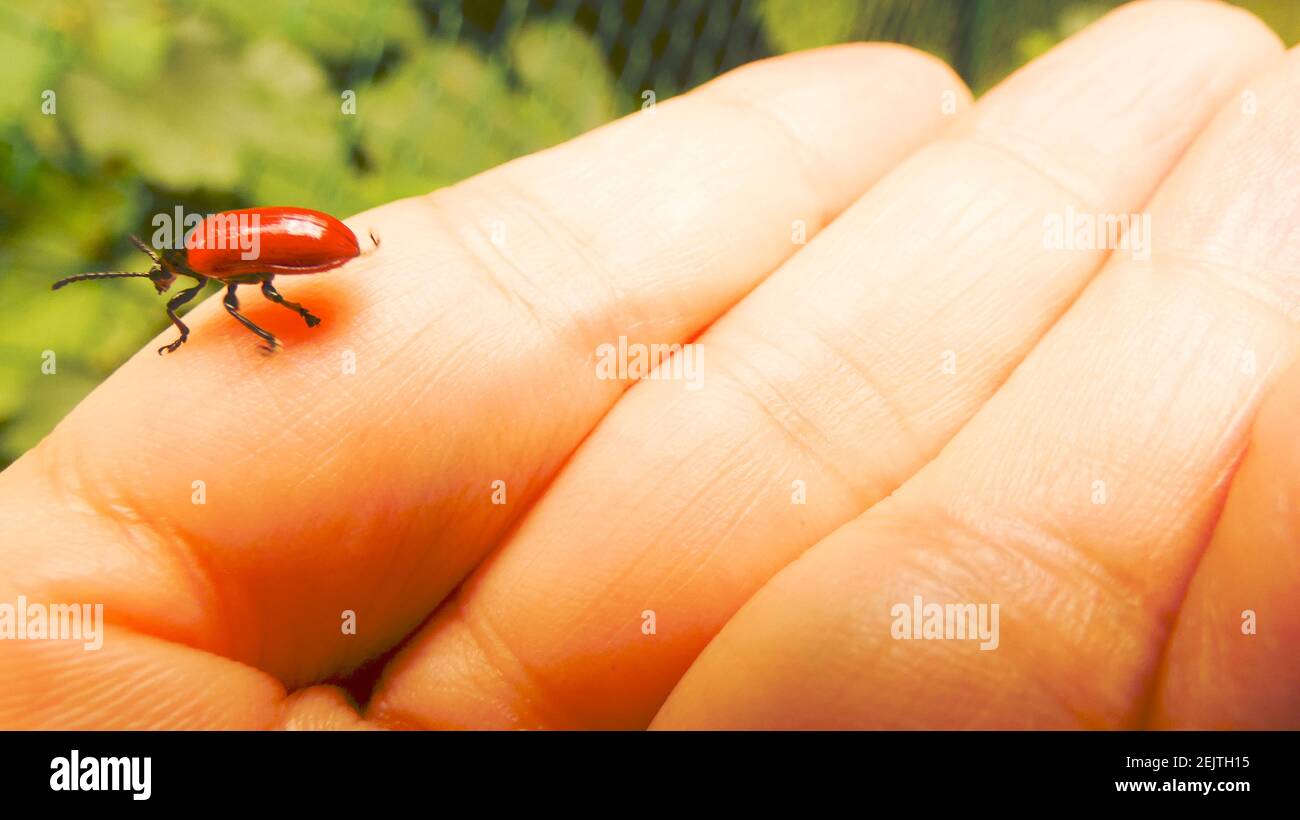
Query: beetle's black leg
point(269, 291)
point(176, 301)
point(232, 307)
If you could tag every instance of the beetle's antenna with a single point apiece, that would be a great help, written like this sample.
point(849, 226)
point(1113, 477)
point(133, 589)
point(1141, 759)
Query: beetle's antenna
point(374, 237)
point(102, 275)
point(142, 246)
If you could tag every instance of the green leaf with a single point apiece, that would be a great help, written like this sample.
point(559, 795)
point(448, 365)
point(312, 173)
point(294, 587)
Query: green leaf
point(552, 59)
point(129, 45)
point(333, 30)
point(47, 399)
point(24, 70)
point(792, 25)
point(436, 119)
point(448, 112)
point(214, 119)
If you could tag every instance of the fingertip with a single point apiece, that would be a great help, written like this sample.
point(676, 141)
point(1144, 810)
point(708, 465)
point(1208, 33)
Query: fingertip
point(452, 677)
point(1195, 19)
point(1106, 110)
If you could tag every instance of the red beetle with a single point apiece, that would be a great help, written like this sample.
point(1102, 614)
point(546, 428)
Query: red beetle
point(246, 247)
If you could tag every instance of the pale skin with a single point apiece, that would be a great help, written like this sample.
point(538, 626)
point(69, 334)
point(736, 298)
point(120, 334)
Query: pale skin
point(946, 390)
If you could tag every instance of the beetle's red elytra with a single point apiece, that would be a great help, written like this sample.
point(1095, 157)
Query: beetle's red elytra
point(246, 247)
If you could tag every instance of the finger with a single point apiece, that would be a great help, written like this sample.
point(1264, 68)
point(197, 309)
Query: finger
point(1077, 500)
point(253, 507)
point(1234, 659)
point(822, 390)
point(121, 679)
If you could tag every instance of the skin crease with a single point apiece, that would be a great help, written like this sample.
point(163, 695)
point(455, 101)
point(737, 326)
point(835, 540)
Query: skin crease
point(320, 499)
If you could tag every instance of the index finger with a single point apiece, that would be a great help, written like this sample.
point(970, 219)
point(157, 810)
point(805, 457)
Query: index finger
point(243, 506)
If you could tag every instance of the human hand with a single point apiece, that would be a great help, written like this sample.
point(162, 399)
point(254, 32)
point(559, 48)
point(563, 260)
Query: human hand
point(372, 492)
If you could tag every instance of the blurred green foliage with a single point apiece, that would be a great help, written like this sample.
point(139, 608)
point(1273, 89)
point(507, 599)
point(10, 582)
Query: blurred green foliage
point(214, 104)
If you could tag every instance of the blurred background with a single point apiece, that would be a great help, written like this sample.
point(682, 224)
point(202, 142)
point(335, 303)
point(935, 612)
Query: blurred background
point(217, 104)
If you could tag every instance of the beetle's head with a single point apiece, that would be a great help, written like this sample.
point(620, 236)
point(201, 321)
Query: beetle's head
point(162, 277)
point(165, 262)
